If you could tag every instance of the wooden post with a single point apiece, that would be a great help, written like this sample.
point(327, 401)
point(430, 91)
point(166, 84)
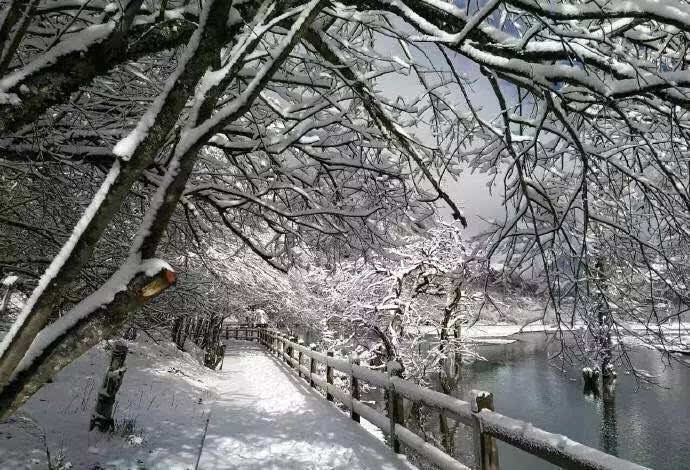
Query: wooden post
point(286, 348)
point(396, 412)
point(485, 450)
point(102, 417)
point(312, 367)
point(299, 358)
point(227, 331)
point(237, 330)
point(329, 377)
point(354, 389)
point(291, 351)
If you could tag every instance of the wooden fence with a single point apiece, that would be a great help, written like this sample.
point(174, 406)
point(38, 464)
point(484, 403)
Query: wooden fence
point(487, 425)
point(245, 332)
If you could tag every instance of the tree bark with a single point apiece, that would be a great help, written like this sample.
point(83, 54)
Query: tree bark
point(102, 417)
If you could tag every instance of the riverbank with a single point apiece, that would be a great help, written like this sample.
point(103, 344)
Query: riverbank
point(677, 335)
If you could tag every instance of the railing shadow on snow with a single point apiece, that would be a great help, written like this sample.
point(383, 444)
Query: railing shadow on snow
point(250, 434)
point(486, 424)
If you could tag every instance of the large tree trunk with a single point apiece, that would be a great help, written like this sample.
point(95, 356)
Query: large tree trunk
point(79, 249)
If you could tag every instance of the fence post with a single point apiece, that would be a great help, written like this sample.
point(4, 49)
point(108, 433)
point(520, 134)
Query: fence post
point(286, 348)
point(485, 450)
point(237, 331)
point(396, 412)
point(354, 388)
point(329, 377)
point(299, 358)
point(312, 367)
point(227, 332)
point(292, 351)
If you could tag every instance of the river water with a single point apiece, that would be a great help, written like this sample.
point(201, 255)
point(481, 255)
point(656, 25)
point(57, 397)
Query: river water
point(649, 425)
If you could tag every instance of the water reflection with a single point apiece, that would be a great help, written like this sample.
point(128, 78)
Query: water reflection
point(648, 426)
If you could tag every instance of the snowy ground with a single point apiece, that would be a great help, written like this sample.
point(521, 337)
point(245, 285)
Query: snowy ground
point(267, 418)
point(261, 416)
point(161, 408)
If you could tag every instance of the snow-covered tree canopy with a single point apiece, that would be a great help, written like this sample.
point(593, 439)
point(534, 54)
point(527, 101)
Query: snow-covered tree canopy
point(269, 119)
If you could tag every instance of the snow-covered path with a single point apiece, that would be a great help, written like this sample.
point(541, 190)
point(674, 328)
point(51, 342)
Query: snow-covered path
point(264, 417)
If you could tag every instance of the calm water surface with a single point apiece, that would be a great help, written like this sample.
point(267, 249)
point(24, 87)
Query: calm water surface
point(648, 425)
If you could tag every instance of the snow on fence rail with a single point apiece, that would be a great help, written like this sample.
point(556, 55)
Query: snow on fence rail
point(487, 424)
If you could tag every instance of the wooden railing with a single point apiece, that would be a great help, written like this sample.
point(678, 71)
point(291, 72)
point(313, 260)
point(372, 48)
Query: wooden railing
point(245, 332)
point(487, 425)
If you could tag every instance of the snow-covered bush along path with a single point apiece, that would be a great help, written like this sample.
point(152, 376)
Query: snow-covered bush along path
point(261, 417)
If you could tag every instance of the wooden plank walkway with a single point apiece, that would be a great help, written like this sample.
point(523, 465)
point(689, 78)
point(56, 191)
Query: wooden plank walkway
point(266, 418)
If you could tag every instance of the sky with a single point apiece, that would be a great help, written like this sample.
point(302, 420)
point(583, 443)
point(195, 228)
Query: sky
point(469, 191)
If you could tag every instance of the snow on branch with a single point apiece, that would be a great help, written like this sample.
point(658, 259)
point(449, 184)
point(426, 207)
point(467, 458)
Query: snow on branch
point(161, 276)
